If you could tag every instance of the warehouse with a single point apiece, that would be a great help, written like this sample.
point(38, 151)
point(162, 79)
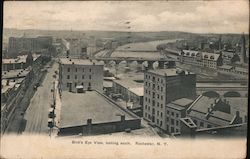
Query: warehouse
point(92, 113)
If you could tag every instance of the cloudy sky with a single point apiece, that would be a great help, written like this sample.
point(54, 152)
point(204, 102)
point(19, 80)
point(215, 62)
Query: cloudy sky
point(193, 16)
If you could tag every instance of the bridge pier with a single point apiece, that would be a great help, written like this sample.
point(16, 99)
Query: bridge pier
point(170, 64)
point(150, 65)
point(161, 64)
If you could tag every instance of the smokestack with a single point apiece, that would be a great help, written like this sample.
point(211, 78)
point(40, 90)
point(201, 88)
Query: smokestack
point(243, 58)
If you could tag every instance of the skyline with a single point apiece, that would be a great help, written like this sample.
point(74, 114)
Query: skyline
point(193, 16)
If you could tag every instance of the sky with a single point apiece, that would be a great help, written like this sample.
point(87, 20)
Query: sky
point(230, 16)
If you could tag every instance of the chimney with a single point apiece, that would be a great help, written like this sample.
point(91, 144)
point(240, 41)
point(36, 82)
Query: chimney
point(89, 121)
point(122, 118)
point(237, 114)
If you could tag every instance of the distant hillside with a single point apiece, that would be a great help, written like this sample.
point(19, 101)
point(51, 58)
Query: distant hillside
point(120, 36)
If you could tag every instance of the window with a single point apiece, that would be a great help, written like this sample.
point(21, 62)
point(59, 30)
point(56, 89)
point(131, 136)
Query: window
point(177, 123)
point(160, 123)
point(177, 130)
point(153, 94)
point(161, 88)
point(146, 83)
point(209, 126)
point(82, 69)
point(157, 104)
point(167, 111)
point(158, 96)
point(75, 76)
point(172, 121)
point(76, 69)
point(161, 97)
point(153, 86)
point(157, 121)
point(82, 84)
point(172, 113)
point(68, 77)
point(146, 106)
point(89, 76)
point(146, 98)
point(146, 76)
point(89, 84)
point(157, 113)
point(68, 84)
point(82, 76)
point(167, 119)
point(172, 129)
point(177, 115)
point(145, 114)
point(68, 69)
point(161, 105)
point(153, 102)
point(90, 70)
point(75, 84)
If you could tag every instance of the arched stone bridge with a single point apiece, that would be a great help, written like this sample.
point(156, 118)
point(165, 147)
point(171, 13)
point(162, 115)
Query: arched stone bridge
point(162, 62)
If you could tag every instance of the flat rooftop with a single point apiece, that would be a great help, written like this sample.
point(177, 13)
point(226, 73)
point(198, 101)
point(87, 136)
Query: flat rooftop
point(169, 72)
point(78, 107)
point(128, 83)
point(69, 61)
point(180, 104)
point(139, 91)
point(18, 73)
point(19, 59)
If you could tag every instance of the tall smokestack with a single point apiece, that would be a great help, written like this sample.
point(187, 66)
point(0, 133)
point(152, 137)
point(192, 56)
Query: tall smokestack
point(243, 58)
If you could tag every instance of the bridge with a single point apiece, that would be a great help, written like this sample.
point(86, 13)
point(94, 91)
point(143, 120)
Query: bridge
point(223, 89)
point(162, 62)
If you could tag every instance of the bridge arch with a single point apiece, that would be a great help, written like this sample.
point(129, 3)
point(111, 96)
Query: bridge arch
point(211, 94)
point(232, 94)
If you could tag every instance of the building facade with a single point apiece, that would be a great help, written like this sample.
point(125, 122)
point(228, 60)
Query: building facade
point(25, 44)
point(162, 87)
point(201, 59)
point(79, 72)
point(174, 111)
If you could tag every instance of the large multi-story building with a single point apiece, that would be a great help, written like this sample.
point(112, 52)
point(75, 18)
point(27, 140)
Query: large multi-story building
point(86, 74)
point(202, 59)
point(20, 62)
point(77, 48)
point(26, 44)
point(174, 111)
point(162, 87)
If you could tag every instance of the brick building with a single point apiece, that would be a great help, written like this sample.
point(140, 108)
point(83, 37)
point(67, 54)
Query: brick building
point(79, 72)
point(162, 87)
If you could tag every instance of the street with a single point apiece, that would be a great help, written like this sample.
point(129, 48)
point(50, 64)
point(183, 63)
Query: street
point(36, 116)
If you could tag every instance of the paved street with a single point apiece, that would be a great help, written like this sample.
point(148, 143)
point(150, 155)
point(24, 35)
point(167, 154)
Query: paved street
point(36, 115)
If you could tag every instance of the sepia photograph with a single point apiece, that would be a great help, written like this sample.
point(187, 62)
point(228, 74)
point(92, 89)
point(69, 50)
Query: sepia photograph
point(124, 79)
